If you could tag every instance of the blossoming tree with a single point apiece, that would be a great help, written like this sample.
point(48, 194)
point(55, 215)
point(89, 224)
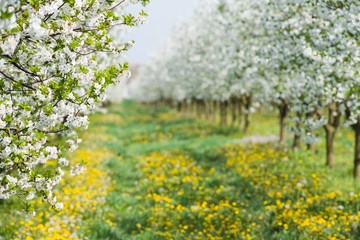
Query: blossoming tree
point(50, 76)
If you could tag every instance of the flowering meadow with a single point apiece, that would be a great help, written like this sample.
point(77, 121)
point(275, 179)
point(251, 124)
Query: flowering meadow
point(153, 173)
point(211, 188)
point(83, 197)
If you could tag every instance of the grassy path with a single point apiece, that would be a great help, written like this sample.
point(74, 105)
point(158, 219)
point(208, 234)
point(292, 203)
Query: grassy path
point(153, 174)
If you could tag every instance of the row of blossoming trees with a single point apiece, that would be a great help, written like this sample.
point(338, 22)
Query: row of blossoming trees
point(56, 59)
point(300, 57)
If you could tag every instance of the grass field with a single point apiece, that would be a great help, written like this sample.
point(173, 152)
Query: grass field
point(155, 174)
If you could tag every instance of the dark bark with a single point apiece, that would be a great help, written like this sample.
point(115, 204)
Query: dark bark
point(248, 102)
point(296, 143)
point(241, 112)
point(333, 123)
point(310, 147)
point(330, 154)
point(297, 138)
point(179, 107)
point(283, 112)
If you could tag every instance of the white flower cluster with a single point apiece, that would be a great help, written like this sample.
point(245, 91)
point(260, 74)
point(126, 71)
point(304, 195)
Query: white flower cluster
point(52, 73)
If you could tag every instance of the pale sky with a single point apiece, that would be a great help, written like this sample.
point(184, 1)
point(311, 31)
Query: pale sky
point(162, 16)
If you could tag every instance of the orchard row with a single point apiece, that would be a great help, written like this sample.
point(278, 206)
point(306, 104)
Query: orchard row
point(299, 57)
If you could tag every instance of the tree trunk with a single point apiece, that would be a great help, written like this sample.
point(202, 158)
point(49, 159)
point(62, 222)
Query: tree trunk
point(330, 153)
point(247, 122)
point(224, 113)
point(310, 147)
point(283, 110)
point(356, 128)
point(233, 110)
point(179, 107)
point(247, 113)
point(334, 116)
point(241, 112)
point(297, 138)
